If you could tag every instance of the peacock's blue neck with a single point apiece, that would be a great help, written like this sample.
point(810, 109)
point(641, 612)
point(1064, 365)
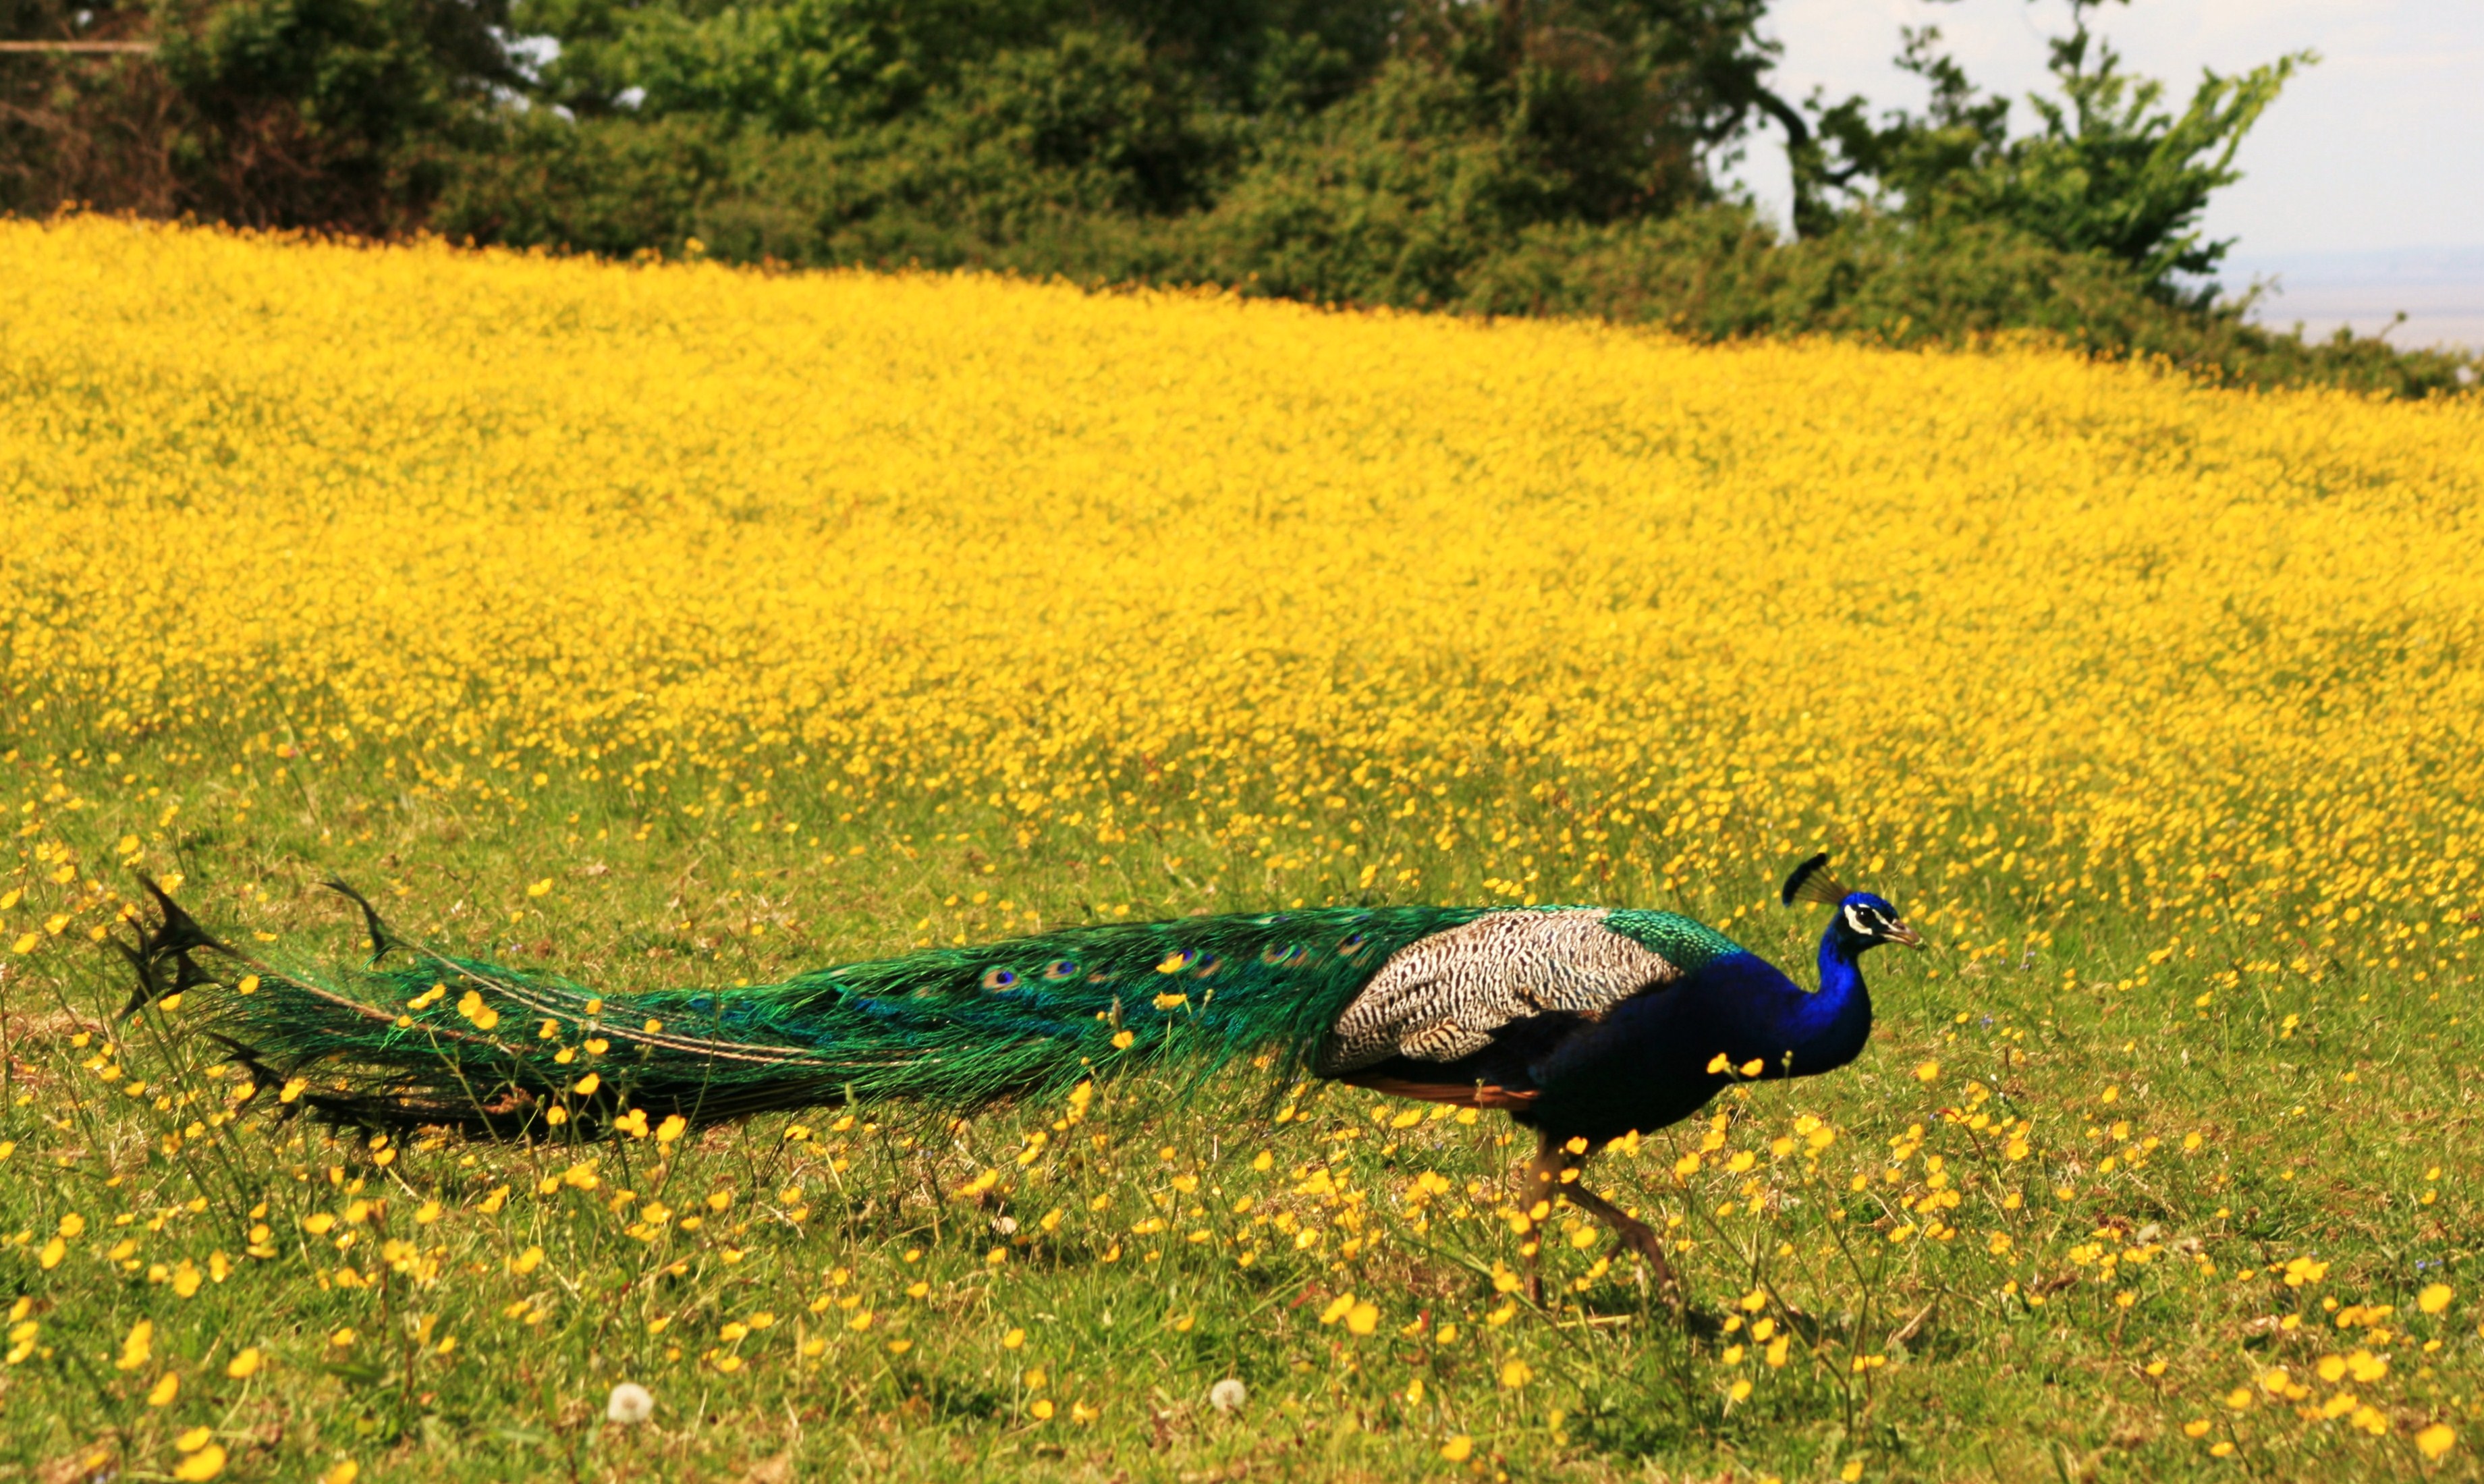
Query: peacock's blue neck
point(1834, 1022)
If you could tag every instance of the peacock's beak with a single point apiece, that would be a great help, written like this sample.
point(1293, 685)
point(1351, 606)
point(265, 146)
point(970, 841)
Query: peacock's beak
point(1900, 932)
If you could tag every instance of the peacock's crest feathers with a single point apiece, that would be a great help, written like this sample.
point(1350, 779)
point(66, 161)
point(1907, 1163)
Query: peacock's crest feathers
point(1812, 882)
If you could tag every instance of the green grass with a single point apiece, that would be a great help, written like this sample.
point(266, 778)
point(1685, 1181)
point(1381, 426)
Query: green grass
point(2317, 1136)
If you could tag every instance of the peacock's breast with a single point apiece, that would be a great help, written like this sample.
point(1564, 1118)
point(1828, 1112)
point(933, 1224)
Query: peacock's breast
point(1651, 1062)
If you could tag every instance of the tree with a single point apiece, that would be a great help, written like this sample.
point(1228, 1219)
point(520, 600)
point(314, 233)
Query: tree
point(2108, 170)
point(326, 113)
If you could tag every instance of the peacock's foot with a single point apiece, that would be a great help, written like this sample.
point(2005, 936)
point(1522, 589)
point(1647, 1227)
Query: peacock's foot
point(1637, 1236)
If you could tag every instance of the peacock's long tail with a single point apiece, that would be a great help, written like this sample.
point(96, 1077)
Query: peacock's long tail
point(437, 1040)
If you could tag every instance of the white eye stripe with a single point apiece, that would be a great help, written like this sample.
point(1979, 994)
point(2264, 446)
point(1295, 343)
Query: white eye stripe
point(1855, 920)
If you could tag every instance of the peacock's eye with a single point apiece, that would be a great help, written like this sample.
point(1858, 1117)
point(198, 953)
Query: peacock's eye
point(1352, 945)
point(997, 979)
point(1209, 963)
point(1061, 968)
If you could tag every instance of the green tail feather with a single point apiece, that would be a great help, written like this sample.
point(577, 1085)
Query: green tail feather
point(444, 1041)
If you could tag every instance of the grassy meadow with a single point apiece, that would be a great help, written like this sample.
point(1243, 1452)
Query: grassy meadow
point(671, 625)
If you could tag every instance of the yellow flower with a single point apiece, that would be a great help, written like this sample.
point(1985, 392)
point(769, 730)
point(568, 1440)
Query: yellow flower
point(2434, 1298)
point(204, 1463)
point(1515, 1373)
point(167, 1387)
point(244, 1364)
point(1458, 1448)
point(138, 1347)
point(2436, 1439)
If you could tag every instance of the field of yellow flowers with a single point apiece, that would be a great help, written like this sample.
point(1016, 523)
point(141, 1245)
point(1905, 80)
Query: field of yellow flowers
point(672, 623)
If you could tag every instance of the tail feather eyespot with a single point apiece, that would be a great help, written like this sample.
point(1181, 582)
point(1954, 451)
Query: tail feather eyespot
point(999, 978)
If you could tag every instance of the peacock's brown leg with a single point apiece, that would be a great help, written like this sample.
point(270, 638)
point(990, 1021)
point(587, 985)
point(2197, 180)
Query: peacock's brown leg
point(1538, 1185)
point(1635, 1236)
point(1553, 1173)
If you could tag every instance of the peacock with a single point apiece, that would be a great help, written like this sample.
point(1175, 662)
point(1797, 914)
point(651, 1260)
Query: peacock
point(1582, 1023)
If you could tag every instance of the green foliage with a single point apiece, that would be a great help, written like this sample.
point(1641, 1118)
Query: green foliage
point(336, 114)
point(81, 128)
point(2107, 171)
point(327, 113)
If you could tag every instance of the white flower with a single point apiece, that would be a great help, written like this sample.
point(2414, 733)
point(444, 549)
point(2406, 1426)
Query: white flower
point(630, 1405)
point(1227, 1395)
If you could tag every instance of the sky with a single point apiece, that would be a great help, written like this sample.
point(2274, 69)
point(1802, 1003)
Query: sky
point(2362, 187)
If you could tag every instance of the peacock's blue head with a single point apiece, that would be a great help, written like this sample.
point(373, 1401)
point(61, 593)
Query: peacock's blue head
point(1868, 920)
point(1863, 919)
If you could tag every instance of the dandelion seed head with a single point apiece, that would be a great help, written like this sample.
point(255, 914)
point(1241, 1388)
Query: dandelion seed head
point(629, 1404)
